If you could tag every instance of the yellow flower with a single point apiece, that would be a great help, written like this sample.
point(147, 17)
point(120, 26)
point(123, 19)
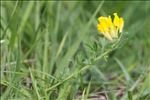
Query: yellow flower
point(109, 28)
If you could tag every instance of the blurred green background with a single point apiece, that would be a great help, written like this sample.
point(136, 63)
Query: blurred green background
point(48, 47)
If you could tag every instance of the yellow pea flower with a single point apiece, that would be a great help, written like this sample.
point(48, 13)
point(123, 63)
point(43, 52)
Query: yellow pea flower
point(110, 28)
point(118, 22)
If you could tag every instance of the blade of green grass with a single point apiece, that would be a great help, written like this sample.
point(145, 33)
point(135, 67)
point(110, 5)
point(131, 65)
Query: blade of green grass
point(37, 15)
point(25, 17)
point(12, 14)
point(61, 45)
point(127, 76)
point(88, 90)
point(45, 55)
point(34, 85)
